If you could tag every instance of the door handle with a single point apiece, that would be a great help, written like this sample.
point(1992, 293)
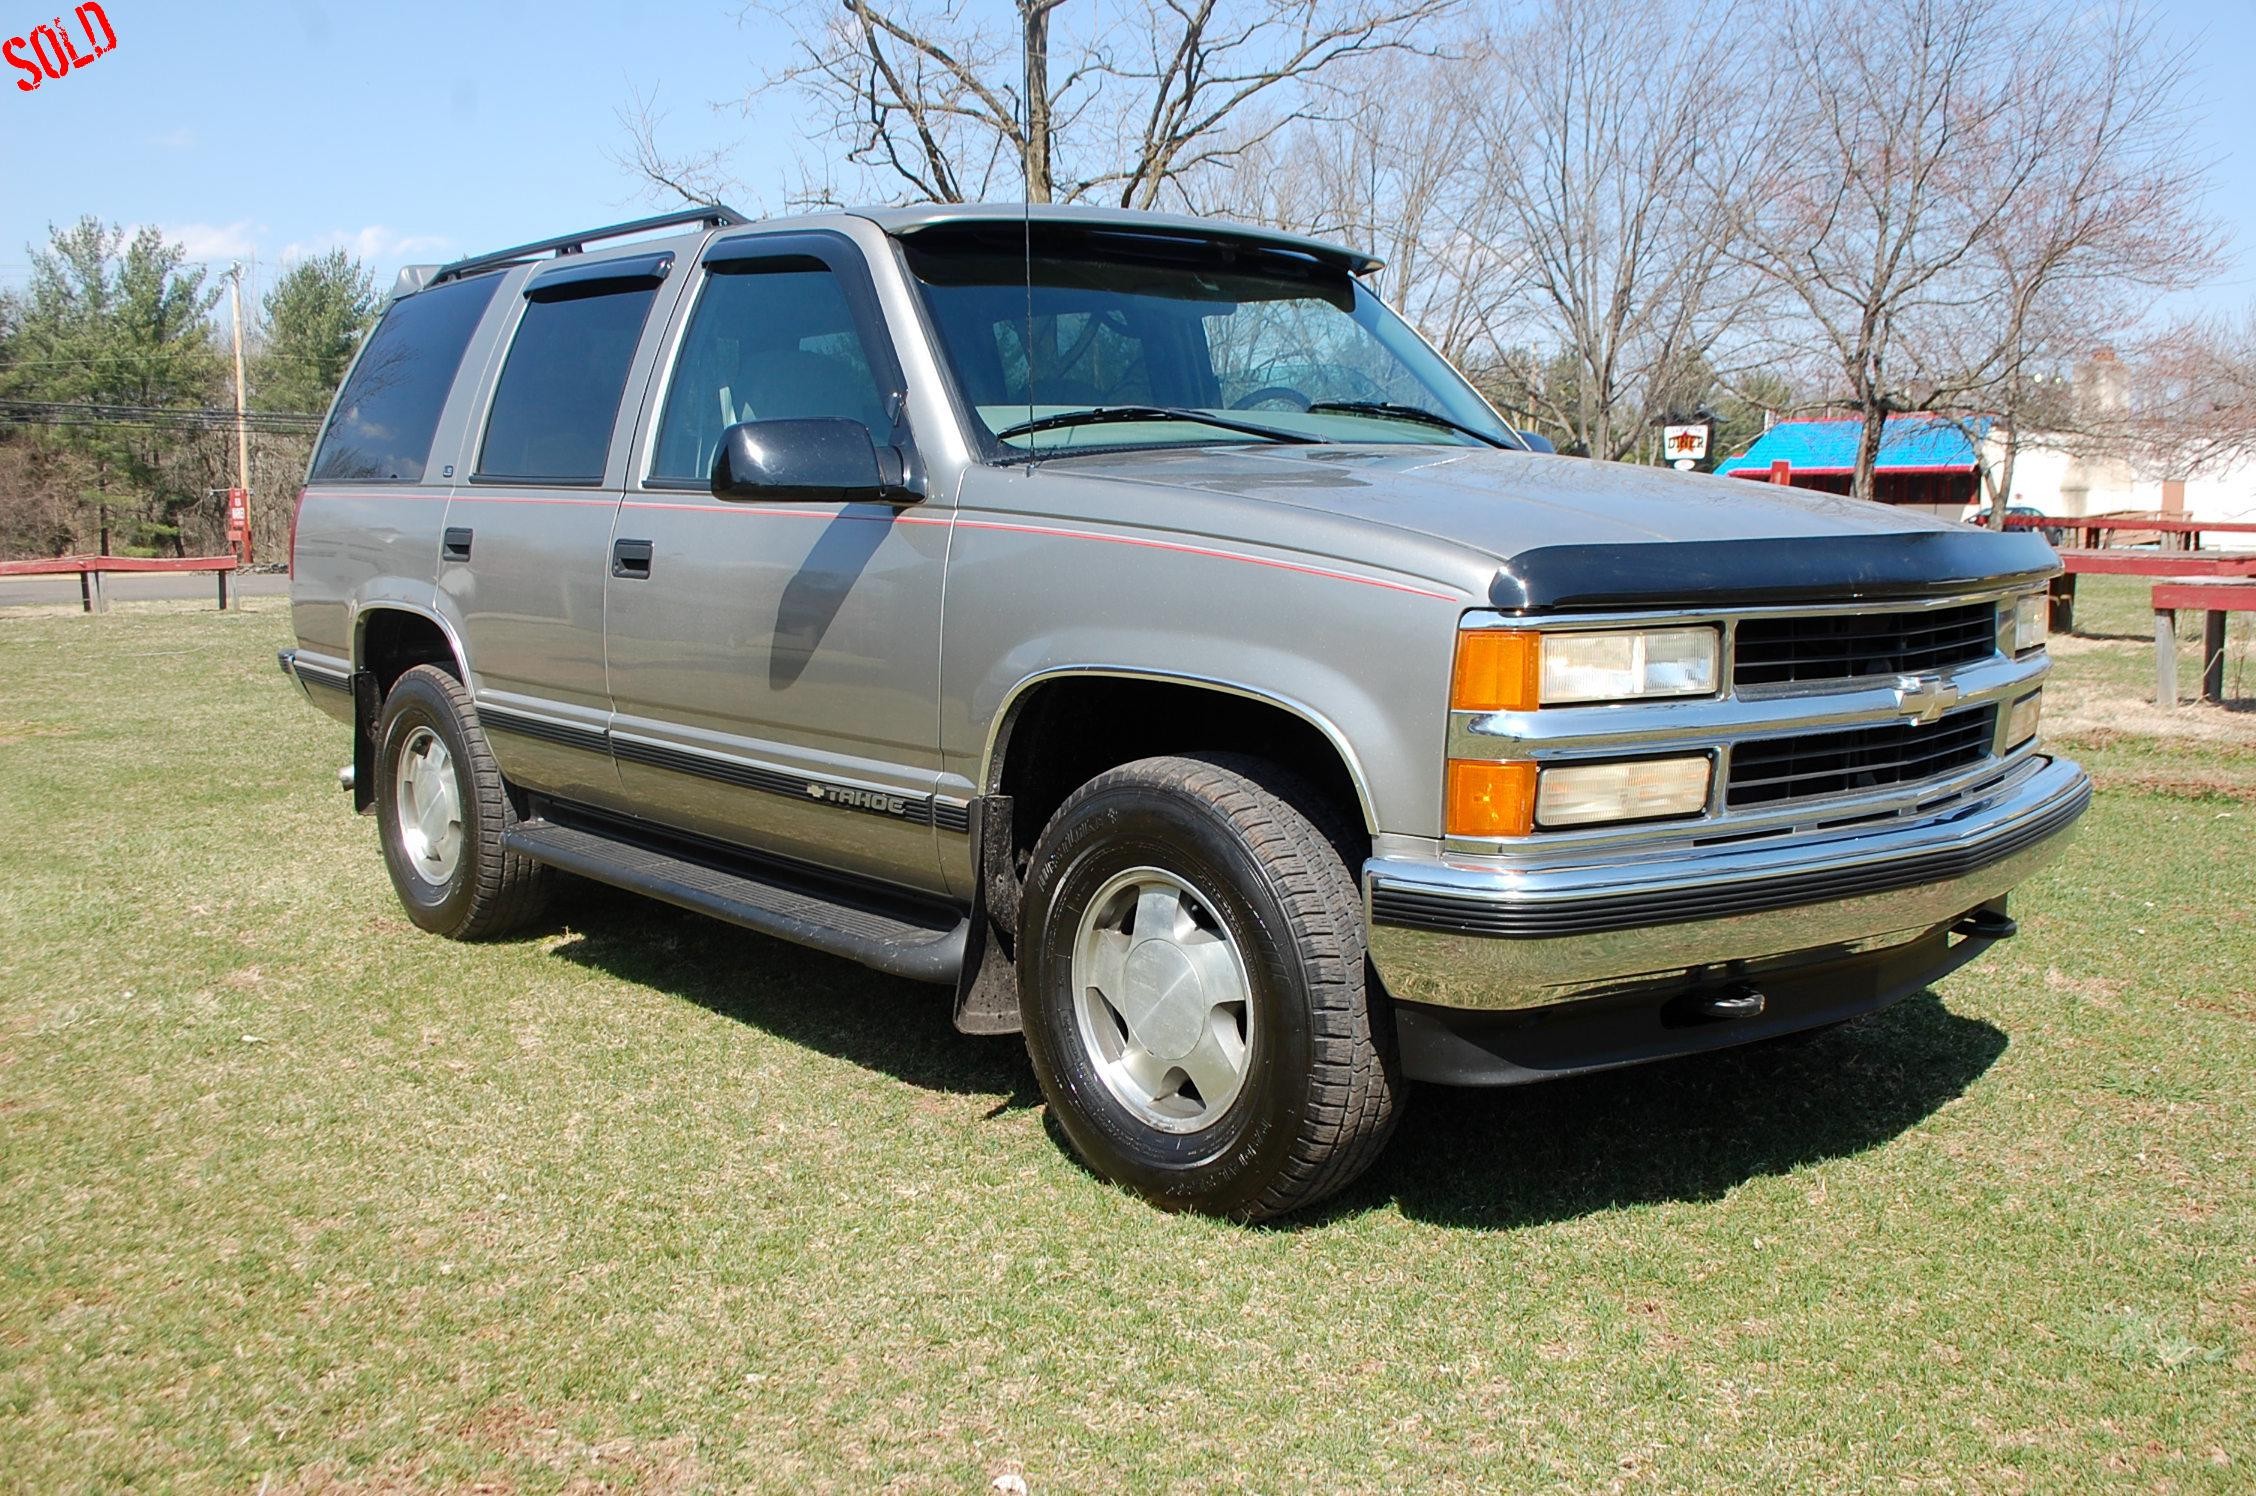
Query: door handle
point(630, 559)
point(455, 545)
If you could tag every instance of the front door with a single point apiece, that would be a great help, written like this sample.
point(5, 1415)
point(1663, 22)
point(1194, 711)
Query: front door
point(774, 667)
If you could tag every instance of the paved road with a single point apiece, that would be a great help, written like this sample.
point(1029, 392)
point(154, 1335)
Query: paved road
point(124, 587)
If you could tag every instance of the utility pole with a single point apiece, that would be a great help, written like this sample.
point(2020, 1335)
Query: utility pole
point(242, 427)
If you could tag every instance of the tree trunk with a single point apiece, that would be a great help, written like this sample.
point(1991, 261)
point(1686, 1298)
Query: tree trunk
point(1868, 449)
point(1036, 146)
point(2001, 482)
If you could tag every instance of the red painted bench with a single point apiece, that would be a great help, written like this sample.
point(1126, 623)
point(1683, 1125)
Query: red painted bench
point(90, 570)
point(2093, 530)
point(2211, 598)
point(2081, 561)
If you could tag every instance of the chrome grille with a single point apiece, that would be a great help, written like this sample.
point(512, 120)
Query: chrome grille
point(1777, 651)
point(1839, 763)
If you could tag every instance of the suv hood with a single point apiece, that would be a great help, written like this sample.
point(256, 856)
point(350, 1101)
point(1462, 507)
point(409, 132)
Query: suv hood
point(1569, 531)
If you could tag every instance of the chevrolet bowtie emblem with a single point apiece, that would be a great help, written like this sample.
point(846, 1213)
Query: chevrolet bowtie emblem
point(1923, 698)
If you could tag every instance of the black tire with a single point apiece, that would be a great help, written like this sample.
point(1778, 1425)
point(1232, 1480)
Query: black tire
point(489, 891)
point(1320, 1089)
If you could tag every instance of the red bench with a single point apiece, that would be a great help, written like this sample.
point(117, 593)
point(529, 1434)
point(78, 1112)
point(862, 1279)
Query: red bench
point(91, 569)
point(2080, 561)
point(2174, 531)
point(2211, 598)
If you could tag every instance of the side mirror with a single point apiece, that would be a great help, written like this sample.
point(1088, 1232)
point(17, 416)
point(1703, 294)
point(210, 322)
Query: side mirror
point(824, 459)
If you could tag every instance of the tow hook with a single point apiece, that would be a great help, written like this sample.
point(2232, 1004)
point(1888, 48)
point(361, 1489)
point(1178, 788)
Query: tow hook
point(1986, 924)
point(1731, 1002)
point(1715, 1005)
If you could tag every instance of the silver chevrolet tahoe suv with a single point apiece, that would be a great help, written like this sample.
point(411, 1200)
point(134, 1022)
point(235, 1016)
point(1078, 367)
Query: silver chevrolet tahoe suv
point(1129, 622)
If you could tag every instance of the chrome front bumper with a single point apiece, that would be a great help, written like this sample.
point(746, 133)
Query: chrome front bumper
point(1489, 935)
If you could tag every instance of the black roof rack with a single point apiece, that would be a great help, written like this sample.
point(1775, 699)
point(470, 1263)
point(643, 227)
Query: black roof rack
point(712, 216)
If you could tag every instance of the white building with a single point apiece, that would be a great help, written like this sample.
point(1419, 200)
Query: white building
point(2077, 476)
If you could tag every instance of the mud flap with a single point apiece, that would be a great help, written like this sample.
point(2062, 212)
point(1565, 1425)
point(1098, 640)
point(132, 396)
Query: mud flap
point(368, 705)
point(987, 993)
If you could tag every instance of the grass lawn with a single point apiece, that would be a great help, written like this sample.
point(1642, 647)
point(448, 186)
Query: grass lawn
point(295, 1197)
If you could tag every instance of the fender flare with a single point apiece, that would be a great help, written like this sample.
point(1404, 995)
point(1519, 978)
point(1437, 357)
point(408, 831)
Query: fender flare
point(1006, 719)
point(363, 608)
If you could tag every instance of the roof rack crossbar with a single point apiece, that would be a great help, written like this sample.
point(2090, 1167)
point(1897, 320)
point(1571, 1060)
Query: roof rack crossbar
point(714, 215)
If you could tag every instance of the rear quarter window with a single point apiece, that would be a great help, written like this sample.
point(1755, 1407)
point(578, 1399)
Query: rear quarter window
point(388, 412)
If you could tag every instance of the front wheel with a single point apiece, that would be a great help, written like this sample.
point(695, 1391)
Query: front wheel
point(1192, 976)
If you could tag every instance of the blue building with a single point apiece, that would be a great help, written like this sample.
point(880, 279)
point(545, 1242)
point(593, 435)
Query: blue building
point(1928, 461)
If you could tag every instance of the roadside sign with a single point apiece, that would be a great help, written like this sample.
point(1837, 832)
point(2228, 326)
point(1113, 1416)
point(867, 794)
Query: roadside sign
point(1685, 445)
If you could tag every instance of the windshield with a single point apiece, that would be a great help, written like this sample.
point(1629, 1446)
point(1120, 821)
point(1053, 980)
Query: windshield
point(1267, 340)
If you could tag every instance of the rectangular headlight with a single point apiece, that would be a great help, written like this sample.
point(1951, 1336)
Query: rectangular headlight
point(1628, 665)
point(2032, 621)
point(1623, 790)
point(2021, 724)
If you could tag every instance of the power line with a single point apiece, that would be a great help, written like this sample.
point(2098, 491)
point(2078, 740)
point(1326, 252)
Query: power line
point(153, 417)
point(107, 358)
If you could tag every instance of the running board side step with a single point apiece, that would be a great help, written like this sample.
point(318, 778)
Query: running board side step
point(765, 900)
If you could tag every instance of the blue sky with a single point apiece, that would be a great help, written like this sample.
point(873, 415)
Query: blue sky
point(405, 132)
point(268, 128)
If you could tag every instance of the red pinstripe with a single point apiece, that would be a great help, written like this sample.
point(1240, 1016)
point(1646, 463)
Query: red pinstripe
point(1060, 532)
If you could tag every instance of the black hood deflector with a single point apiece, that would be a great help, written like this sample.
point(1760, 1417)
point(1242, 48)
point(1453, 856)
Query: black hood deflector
point(1733, 573)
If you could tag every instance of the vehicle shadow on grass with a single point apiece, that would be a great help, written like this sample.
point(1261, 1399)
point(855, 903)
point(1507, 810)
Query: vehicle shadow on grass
point(1688, 1129)
point(897, 1028)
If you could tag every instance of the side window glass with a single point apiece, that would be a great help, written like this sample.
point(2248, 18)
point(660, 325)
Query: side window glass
point(558, 396)
point(388, 413)
point(769, 341)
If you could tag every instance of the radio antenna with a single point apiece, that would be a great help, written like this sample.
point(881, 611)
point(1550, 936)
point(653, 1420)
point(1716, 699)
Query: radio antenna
point(1026, 213)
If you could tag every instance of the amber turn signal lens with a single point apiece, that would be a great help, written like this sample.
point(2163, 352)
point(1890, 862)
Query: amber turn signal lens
point(1498, 670)
point(1489, 799)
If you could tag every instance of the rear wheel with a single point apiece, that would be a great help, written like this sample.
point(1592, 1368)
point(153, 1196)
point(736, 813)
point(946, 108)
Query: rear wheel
point(1193, 985)
point(441, 811)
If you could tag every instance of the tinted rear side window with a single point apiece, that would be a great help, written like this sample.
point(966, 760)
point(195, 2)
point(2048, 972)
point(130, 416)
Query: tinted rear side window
point(558, 397)
point(389, 410)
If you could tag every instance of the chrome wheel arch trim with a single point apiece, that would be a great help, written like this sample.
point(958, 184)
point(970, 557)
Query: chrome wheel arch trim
point(1006, 718)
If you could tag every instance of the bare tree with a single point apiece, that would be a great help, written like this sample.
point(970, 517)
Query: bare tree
point(1866, 217)
point(2100, 198)
point(701, 178)
point(1617, 139)
point(2191, 394)
point(1947, 214)
point(1391, 171)
point(932, 102)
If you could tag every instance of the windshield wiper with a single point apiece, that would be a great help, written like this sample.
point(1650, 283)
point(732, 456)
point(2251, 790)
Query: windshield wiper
point(1106, 415)
point(1418, 413)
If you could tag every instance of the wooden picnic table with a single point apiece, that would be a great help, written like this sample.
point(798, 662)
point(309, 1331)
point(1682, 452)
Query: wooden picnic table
point(91, 569)
point(2212, 598)
point(2117, 561)
point(2093, 530)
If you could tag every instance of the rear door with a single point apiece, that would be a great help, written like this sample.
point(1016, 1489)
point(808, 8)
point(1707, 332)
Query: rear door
point(775, 666)
point(527, 548)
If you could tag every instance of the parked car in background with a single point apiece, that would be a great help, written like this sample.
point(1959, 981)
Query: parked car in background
point(1130, 623)
point(1978, 513)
